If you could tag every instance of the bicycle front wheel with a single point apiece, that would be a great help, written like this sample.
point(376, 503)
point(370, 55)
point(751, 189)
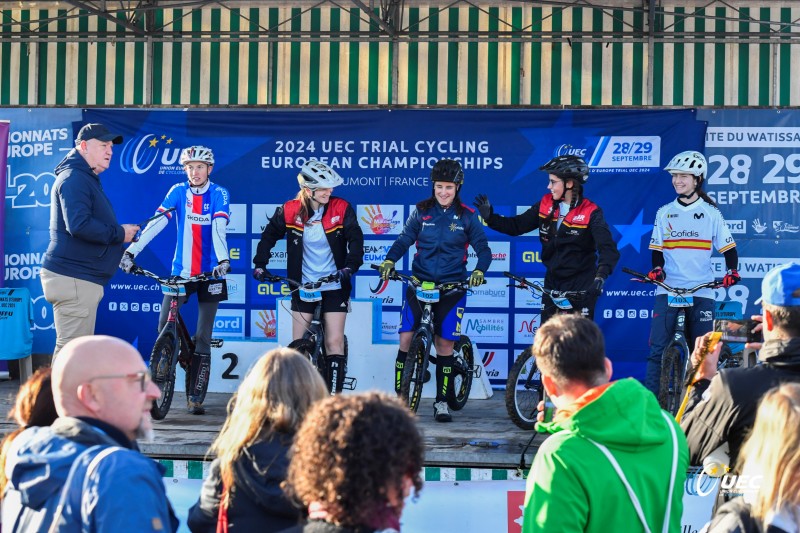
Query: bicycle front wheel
point(670, 390)
point(463, 362)
point(413, 372)
point(162, 372)
point(307, 347)
point(524, 390)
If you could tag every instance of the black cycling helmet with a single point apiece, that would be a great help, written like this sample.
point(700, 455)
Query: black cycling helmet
point(568, 167)
point(448, 170)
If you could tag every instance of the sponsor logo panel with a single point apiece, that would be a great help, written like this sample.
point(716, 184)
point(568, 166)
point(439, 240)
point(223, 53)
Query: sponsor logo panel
point(261, 215)
point(375, 253)
point(493, 294)
point(486, 327)
point(525, 327)
point(388, 292)
point(390, 323)
point(236, 289)
point(495, 363)
point(278, 256)
point(263, 324)
point(238, 220)
point(229, 323)
point(501, 257)
point(380, 219)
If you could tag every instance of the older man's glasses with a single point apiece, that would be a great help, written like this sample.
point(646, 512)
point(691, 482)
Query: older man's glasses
point(142, 377)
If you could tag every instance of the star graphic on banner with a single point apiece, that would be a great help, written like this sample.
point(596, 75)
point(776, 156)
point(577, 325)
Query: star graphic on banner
point(562, 129)
point(153, 142)
point(163, 136)
point(169, 141)
point(631, 234)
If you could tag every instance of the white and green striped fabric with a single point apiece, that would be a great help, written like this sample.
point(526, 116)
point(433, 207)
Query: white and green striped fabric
point(544, 56)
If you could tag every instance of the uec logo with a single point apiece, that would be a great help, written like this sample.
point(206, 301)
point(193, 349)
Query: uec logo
point(568, 149)
point(140, 153)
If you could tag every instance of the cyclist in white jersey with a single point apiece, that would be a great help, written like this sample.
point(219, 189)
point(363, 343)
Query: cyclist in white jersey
point(684, 234)
point(202, 212)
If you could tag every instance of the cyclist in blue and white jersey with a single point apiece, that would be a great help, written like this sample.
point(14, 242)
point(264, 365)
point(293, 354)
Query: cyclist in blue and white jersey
point(442, 228)
point(684, 234)
point(202, 212)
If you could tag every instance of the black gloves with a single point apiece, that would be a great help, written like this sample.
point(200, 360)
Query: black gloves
point(484, 207)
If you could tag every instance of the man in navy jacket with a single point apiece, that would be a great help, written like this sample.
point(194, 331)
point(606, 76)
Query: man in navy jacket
point(85, 238)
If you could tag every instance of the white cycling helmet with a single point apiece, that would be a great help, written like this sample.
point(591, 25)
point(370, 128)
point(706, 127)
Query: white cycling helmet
point(688, 162)
point(317, 175)
point(197, 153)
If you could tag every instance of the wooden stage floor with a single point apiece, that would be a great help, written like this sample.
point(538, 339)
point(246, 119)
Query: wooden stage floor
point(480, 436)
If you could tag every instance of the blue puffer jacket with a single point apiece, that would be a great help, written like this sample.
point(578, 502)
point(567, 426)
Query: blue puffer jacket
point(124, 494)
point(442, 238)
point(85, 238)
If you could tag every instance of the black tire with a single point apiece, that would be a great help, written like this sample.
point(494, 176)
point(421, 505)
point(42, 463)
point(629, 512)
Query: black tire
point(306, 347)
point(524, 390)
point(414, 373)
point(463, 362)
point(164, 356)
point(670, 389)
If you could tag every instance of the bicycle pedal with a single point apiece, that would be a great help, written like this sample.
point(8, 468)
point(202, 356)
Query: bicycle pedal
point(349, 383)
point(476, 371)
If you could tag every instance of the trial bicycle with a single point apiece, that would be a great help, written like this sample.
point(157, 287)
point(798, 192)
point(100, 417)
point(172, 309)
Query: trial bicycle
point(415, 371)
point(524, 389)
point(174, 343)
point(312, 343)
point(675, 361)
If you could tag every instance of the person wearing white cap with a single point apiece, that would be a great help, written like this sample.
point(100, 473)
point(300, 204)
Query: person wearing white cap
point(85, 238)
point(723, 405)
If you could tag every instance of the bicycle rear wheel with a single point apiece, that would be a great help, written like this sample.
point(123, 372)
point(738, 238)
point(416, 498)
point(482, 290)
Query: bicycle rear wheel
point(524, 390)
point(413, 373)
point(162, 372)
point(463, 362)
point(670, 390)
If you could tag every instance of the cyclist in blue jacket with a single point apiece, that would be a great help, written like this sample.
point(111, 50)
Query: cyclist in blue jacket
point(202, 212)
point(442, 229)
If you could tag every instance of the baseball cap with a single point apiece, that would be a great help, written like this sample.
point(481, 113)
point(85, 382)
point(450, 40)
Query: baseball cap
point(99, 132)
point(781, 286)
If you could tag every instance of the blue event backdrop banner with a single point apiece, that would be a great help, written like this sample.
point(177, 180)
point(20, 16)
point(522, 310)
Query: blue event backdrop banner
point(385, 158)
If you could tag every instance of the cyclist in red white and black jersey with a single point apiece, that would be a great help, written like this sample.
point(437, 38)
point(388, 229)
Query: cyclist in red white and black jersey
point(322, 237)
point(577, 248)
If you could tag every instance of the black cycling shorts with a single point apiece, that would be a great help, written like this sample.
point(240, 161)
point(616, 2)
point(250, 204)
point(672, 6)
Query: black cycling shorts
point(213, 290)
point(335, 301)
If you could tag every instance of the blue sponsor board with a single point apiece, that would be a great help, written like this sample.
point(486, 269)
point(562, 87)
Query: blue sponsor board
point(385, 159)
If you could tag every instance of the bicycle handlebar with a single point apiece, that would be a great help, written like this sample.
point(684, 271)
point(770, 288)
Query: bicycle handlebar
point(644, 279)
point(173, 281)
point(525, 284)
point(311, 285)
point(397, 276)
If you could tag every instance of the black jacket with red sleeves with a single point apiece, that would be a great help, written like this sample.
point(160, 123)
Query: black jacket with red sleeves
point(581, 248)
point(341, 227)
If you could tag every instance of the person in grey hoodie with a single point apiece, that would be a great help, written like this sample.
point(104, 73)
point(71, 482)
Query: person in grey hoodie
point(85, 238)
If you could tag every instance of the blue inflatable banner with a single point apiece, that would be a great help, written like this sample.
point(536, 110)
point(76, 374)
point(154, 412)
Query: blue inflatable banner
point(385, 158)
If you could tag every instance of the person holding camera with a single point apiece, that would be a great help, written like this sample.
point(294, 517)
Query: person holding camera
point(722, 408)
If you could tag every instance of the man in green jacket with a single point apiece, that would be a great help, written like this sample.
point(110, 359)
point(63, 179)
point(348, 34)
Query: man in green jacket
point(613, 455)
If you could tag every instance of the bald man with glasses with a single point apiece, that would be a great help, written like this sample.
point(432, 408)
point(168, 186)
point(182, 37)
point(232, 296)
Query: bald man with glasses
point(85, 472)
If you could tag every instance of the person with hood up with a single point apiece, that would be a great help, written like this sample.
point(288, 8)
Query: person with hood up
point(614, 458)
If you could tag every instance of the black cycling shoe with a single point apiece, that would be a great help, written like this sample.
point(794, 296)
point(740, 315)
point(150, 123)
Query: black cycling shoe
point(196, 408)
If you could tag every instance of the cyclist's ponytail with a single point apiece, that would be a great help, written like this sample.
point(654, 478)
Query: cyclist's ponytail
point(702, 194)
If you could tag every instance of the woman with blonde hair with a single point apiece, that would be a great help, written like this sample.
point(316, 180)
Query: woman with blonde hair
point(770, 460)
point(253, 444)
